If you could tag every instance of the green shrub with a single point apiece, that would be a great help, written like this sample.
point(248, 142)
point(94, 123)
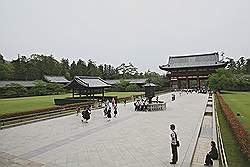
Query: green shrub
point(132, 88)
point(14, 90)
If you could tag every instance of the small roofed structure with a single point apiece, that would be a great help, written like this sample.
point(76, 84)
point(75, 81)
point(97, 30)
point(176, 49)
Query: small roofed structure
point(56, 79)
point(196, 67)
point(87, 85)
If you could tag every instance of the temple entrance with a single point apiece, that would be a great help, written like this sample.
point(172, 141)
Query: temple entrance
point(191, 71)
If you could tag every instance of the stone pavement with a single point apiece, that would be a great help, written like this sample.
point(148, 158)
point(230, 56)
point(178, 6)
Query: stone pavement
point(133, 139)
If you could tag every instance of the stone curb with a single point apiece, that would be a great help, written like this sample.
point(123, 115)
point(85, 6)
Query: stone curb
point(189, 153)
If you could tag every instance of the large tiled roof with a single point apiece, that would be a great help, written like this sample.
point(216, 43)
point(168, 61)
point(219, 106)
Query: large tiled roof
point(88, 82)
point(56, 79)
point(23, 83)
point(132, 81)
point(197, 60)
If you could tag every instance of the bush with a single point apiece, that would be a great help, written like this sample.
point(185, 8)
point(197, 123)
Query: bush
point(68, 101)
point(15, 90)
point(132, 88)
point(52, 88)
point(122, 85)
point(39, 88)
point(240, 133)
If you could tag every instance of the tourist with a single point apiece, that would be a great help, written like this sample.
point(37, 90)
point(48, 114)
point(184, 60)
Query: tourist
point(174, 144)
point(213, 154)
point(146, 105)
point(105, 111)
point(173, 97)
point(141, 105)
point(86, 114)
point(78, 110)
point(125, 102)
point(113, 102)
point(109, 112)
point(136, 104)
point(115, 110)
point(157, 99)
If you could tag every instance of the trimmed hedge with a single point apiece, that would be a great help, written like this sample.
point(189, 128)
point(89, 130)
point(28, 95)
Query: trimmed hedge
point(240, 133)
point(66, 101)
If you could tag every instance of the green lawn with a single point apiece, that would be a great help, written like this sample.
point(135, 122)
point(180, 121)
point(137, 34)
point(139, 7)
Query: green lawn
point(233, 153)
point(239, 102)
point(37, 102)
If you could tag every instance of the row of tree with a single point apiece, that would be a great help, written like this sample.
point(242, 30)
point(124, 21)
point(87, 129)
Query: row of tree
point(36, 66)
point(40, 88)
point(236, 76)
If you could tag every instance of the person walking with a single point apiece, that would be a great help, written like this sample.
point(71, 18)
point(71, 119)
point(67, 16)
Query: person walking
point(124, 102)
point(174, 144)
point(78, 109)
point(115, 110)
point(213, 154)
point(109, 112)
point(86, 114)
point(105, 111)
point(113, 102)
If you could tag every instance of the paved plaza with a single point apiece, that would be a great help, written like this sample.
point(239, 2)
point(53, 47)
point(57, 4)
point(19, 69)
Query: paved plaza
point(132, 139)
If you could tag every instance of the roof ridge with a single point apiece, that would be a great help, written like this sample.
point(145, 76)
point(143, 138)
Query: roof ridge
point(193, 55)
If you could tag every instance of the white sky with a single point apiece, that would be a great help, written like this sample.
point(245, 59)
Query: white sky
point(143, 32)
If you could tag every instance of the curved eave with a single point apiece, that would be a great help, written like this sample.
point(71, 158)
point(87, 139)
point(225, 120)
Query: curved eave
point(174, 68)
point(82, 85)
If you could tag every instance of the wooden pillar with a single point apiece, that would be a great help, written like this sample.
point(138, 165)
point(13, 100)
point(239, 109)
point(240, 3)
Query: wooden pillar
point(73, 93)
point(187, 82)
point(102, 94)
point(198, 82)
point(178, 83)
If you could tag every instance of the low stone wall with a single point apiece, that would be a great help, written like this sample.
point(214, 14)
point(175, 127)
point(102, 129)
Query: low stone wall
point(156, 107)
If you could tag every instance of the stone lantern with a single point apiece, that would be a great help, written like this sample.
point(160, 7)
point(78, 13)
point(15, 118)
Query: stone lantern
point(150, 91)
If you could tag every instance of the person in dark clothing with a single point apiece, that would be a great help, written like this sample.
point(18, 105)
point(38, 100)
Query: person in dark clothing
point(174, 144)
point(213, 154)
point(109, 112)
point(86, 114)
point(115, 110)
point(78, 109)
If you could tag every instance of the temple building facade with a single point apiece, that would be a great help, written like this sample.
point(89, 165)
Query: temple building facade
point(191, 71)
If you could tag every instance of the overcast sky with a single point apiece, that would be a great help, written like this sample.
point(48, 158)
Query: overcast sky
point(143, 32)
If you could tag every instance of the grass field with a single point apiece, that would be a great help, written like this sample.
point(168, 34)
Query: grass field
point(233, 153)
point(38, 102)
point(239, 102)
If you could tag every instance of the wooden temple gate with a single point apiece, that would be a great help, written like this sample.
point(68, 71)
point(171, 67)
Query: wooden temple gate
point(191, 68)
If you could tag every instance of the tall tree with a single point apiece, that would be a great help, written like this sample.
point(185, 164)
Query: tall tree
point(248, 66)
point(127, 71)
point(92, 69)
point(73, 70)
point(65, 68)
point(6, 69)
point(20, 68)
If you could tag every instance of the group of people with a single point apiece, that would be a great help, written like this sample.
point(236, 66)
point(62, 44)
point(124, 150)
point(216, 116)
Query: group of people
point(85, 113)
point(141, 105)
point(109, 106)
point(211, 155)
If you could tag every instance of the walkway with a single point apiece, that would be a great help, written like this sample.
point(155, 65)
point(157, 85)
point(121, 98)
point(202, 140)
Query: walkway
point(132, 139)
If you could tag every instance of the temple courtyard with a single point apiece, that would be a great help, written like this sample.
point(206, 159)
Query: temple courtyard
point(132, 139)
